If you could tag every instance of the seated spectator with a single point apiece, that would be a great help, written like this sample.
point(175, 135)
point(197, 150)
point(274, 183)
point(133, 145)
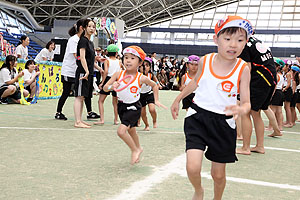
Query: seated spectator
point(9, 81)
point(29, 78)
point(172, 77)
point(46, 54)
point(22, 50)
point(163, 79)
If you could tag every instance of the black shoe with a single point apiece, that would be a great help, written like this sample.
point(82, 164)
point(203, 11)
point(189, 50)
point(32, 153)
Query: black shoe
point(60, 116)
point(92, 115)
point(29, 99)
point(3, 101)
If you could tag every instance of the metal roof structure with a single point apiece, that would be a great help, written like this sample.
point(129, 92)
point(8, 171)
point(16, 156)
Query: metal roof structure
point(135, 13)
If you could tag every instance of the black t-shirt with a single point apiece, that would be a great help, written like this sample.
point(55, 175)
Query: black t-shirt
point(262, 63)
point(85, 43)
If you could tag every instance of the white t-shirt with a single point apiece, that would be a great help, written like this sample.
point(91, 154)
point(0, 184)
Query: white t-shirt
point(44, 53)
point(27, 76)
point(69, 63)
point(23, 51)
point(6, 75)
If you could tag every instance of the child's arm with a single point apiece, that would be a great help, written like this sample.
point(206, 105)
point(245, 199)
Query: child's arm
point(182, 85)
point(294, 87)
point(106, 63)
point(245, 105)
point(84, 63)
point(157, 82)
point(193, 84)
point(28, 82)
point(112, 83)
point(288, 76)
point(146, 80)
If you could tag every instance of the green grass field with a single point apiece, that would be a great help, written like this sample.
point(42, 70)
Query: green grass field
point(43, 158)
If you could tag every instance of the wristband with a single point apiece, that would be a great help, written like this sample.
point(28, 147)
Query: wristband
point(157, 82)
point(109, 87)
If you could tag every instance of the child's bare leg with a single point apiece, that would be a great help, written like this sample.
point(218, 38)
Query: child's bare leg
point(288, 123)
point(145, 119)
point(101, 100)
point(122, 133)
point(272, 120)
point(193, 167)
point(115, 105)
point(238, 123)
point(153, 114)
point(293, 113)
point(246, 132)
point(32, 89)
point(279, 117)
point(219, 176)
point(135, 138)
point(259, 130)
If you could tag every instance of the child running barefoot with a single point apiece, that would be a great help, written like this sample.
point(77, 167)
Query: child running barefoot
point(147, 96)
point(192, 66)
point(129, 106)
point(210, 118)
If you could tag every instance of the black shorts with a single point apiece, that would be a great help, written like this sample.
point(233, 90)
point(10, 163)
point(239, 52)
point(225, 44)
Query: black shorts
point(114, 94)
point(207, 129)
point(288, 94)
point(187, 101)
point(298, 98)
point(294, 100)
point(16, 95)
point(129, 113)
point(83, 87)
point(67, 79)
point(260, 97)
point(147, 98)
point(277, 99)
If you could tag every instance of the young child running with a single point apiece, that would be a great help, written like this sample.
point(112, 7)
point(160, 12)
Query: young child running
point(129, 106)
point(111, 65)
point(192, 66)
point(147, 97)
point(210, 118)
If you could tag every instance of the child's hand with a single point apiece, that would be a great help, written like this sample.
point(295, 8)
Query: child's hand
point(21, 74)
point(85, 76)
point(115, 85)
point(157, 103)
point(234, 110)
point(175, 109)
point(38, 73)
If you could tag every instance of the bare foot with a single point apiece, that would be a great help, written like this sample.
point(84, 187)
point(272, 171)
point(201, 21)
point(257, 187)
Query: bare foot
point(135, 156)
point(268, 129)
point(288, 125)
point(86, 123)
point(275, 134)
point(81, 125)
point(242, 151)
point(139, 124)
point(298, 120)
point(116, 122)
point(100, 122)
point(198, 196)
point(154, 124)
point(147, 128)
point(258, 150)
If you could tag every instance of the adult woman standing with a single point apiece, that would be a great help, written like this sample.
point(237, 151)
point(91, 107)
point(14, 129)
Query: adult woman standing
point(85, 71)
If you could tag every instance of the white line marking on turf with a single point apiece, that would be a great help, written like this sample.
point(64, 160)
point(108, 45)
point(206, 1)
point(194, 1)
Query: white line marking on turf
point(177, 166)
point(137, 189)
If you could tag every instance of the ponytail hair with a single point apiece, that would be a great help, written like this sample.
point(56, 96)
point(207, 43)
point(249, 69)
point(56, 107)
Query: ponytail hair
point(75, 28)
point(23, 37)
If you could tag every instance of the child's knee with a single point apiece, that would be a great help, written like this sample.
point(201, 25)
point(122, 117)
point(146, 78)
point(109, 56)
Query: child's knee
point(121, 133)
point(193, 170)
point(218, 175)
point(12, 89)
